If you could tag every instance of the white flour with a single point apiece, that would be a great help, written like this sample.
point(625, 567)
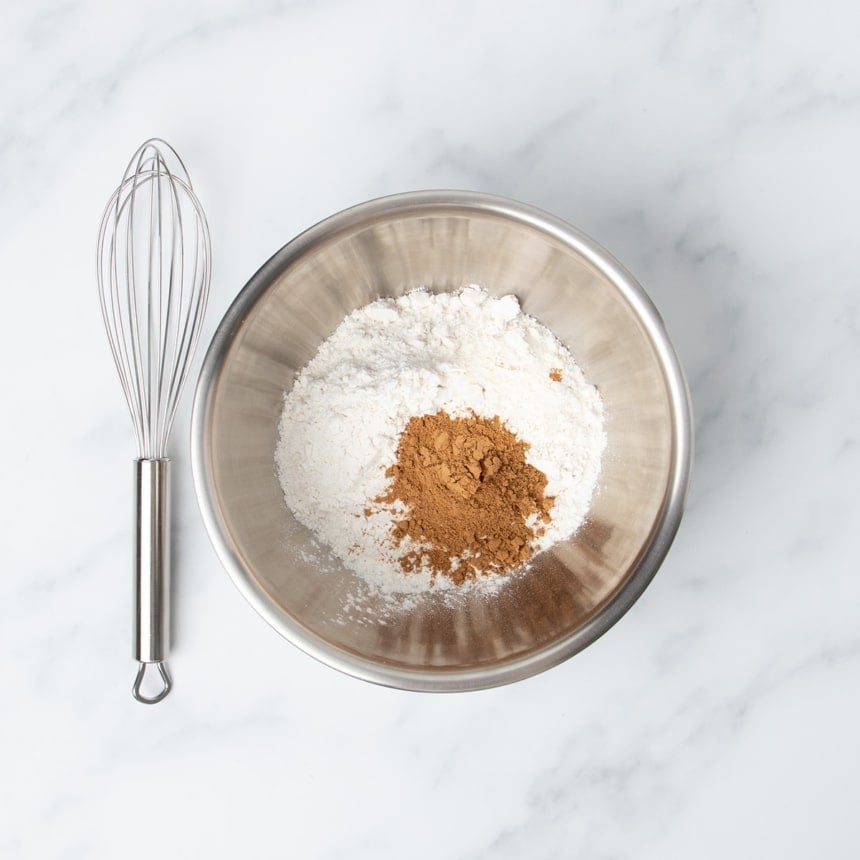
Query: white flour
point(422, 353)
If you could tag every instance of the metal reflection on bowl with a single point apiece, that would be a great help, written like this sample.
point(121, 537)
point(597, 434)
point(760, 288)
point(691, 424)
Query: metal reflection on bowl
point(574, 592)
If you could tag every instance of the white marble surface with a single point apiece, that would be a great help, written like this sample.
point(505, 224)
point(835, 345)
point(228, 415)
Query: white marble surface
point(714, 148)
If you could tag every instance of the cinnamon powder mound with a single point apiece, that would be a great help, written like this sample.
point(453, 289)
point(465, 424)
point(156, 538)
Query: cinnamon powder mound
point(469, 495)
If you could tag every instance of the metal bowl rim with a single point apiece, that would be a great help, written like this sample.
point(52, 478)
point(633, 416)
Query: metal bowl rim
point(477, 677)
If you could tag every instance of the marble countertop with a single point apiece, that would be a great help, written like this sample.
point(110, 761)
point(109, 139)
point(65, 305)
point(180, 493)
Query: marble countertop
point(713, 147)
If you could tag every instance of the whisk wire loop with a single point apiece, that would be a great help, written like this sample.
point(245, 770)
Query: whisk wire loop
point(154, 272)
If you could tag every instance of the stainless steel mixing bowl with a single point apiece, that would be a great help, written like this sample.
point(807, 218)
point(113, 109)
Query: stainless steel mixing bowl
point(442, 240)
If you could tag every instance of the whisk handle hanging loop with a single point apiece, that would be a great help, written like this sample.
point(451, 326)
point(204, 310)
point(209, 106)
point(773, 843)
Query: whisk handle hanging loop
point(152, 572)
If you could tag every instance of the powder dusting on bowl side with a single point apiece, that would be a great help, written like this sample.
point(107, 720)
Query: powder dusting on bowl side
point(463, 353)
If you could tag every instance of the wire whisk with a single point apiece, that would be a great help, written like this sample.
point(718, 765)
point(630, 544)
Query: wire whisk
point(154, 270)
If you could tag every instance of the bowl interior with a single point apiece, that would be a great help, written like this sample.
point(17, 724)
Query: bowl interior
point(276, 326)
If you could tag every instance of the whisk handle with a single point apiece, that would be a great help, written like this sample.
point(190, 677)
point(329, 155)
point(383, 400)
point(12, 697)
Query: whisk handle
point(152, 572)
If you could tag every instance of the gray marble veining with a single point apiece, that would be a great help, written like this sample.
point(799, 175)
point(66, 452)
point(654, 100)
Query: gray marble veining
point(712, 147)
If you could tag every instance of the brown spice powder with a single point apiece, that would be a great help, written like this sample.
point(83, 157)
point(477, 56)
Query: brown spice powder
point(555, 374)
point(469, 492)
